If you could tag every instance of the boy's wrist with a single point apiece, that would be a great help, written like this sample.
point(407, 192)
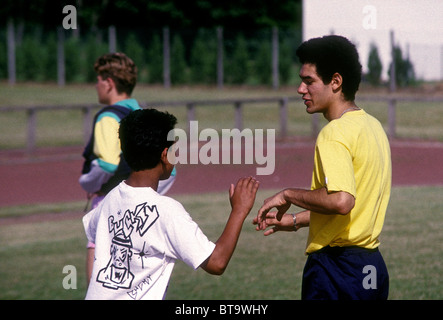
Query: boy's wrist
point(239, 212)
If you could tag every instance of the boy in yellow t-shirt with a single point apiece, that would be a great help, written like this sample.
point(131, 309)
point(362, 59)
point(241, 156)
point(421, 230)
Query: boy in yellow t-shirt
point(352, 154)
point(351, 181)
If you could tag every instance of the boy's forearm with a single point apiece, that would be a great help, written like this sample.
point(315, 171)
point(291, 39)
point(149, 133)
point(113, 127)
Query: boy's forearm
point(225, 245)
point(242, 198)
point(320, 200)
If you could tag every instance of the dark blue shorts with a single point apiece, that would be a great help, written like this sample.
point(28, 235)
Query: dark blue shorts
point(345, 273)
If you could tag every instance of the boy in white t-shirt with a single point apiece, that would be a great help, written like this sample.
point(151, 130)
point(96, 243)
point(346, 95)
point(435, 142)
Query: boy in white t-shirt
point(139, 234)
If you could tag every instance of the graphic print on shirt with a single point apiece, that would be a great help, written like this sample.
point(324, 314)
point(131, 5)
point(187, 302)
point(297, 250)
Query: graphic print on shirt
point(117, 273)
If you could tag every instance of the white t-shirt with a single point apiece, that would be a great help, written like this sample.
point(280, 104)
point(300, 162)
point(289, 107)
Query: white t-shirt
point(138, 236)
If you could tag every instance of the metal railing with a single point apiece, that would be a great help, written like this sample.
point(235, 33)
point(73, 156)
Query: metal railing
point(87, 111)
point(238, 104)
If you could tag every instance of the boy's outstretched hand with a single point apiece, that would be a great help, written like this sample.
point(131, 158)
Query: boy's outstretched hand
point(242, 195)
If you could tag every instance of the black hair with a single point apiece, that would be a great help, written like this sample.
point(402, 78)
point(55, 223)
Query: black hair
point(143, 137)
point(331, 54)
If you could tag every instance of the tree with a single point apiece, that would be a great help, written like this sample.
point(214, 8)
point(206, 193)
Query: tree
point(137, 53)
point(374, 66)
point(155, 60)
point(204, 57)
point(238, 70)
point(404, 69)
point(93, 14)
point(262, 67)
point(178, 61)
point(285, 60)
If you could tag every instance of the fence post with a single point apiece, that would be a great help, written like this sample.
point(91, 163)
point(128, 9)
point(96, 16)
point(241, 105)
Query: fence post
point(392, 89)
point(11, 52)
point(220, 58)
point(275, 82)
point(283, 117)
point(112, 38)
point(392, 80)
point(166, 59)
point(392, 117)
point(60, 57)
point(238, 115)
point(190, 114)
point(32, 126)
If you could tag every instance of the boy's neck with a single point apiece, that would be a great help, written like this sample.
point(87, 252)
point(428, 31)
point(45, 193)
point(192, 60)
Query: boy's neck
point(117, 98)
point(144, 179)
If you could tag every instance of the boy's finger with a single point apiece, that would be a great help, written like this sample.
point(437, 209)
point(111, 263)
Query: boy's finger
point(231, 190)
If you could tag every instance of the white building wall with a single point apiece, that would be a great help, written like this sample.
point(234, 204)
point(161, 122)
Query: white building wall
point(417, 26)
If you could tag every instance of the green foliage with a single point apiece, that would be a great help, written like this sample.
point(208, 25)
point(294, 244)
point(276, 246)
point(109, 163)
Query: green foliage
point(94, 48)
point(179, 68)
point(285, 62)
point(50, 68)
point(155, 13)
point(193, 57)
point(374, 66)
point(237, 66)
point(155, 60)
point(262, 67)
point(203, 58)
point(135, 50)
point(3, 60)
point(31, 59)
point(75, 65)
point(404, 70)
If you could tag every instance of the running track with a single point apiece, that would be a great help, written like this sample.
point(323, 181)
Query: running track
point(51, 175)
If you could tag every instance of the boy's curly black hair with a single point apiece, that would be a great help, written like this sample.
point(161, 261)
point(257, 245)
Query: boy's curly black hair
point(143, 137)
point(331, 54)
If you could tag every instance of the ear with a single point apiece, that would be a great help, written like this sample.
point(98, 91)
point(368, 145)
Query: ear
point(111, 83)
point(164, 156)
point(337, 81)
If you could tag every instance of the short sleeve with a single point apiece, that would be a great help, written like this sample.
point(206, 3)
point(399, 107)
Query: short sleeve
point(187, 241)
point(107, 144)
point(90, 221)
point(338, 170)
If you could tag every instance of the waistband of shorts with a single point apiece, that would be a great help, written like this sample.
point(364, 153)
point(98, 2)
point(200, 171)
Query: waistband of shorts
point(336, 250)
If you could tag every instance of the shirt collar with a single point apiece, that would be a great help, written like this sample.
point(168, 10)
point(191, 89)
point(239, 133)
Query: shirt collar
point(129, 103)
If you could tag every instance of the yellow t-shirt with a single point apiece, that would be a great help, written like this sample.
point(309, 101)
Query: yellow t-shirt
point(352, 154)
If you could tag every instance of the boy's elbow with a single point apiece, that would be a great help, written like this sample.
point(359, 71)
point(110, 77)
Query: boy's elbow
point(217, 272)
point(345, 203)
point(216, 268)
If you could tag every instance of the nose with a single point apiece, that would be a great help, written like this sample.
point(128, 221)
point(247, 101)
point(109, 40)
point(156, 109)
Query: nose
point(302, 89)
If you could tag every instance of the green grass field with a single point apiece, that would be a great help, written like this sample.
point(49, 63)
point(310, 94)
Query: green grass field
point(33, 255)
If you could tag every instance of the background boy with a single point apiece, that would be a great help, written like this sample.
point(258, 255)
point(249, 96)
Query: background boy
point(139, 233)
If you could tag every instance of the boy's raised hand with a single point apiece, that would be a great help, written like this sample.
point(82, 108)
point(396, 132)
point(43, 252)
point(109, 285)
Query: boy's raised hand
point(242, 195)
